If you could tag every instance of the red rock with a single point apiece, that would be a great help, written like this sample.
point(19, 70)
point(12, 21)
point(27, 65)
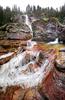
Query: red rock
point(18, 94)
point(6, 59)
point(33, 95)
point(54, 86)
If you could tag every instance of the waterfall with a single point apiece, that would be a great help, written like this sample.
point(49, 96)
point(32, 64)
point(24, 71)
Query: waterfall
point(15, 76)
point(15, 73)
point(27, 22)
point(54, 42)
point(30, 43)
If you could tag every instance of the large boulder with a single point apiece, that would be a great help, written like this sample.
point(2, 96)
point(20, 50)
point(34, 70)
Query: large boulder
point(44, 30)
point(16, 31)
point(48, 30)
point(61, 34)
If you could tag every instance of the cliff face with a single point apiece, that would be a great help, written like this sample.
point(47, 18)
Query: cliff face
point(15, 31)
point(48, 30)
point(14, 35)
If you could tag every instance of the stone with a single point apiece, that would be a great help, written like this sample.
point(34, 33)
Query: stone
point(15, 31)
point(33, 95)
point(18, 94)
point(48, 30)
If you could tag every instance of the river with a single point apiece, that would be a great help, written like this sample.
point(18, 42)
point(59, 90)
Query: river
point(14, 72)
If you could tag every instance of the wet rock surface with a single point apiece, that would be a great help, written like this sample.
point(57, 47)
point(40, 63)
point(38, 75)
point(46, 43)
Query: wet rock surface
point(53, 86)
point(33, 94)
point(31, 73)
point(13, 38)
point(60, 61)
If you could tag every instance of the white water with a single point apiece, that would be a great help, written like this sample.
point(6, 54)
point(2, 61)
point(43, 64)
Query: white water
point(10, 75)
point(54, 42)
point(13, 72)
point(6, 55)
point(30, 44)
point(28, 22)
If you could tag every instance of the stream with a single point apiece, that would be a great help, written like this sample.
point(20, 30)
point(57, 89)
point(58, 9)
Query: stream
point(16, 72)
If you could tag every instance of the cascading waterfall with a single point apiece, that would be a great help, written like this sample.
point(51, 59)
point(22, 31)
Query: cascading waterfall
point(30, 43)
point(54, 42)
point(15, 73)
point(27, 22)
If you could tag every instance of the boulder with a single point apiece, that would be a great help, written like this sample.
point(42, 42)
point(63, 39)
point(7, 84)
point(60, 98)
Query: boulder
point(44, 30)
point(16, 31)
point(60, 61)
point(26, 59)
point(33, 94)
point(48, 30)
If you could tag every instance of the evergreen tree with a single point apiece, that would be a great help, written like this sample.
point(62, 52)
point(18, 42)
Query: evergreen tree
point(1, 15)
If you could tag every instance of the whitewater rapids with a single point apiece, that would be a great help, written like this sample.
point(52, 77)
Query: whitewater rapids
point(11, 73)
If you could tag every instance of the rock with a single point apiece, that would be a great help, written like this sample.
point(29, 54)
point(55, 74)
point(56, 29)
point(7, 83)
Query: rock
point(18, 94)
point(33, 95)
point(18, 31)
point(44, 30)
point(61, 34)
point(5, 58)
point(41, 56)
point(48, 30)
point(60, 61)
point(8, 93)
point(26, 59)
point(54, 85)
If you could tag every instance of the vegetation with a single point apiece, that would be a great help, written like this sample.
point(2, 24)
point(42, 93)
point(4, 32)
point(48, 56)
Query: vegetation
point(46, 12)
point(6, 15)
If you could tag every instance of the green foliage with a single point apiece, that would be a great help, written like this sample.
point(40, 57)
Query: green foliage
point(1, 15)
point(6, 15)
point(47, 12)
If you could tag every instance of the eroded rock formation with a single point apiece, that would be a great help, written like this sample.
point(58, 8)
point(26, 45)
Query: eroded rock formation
point(48, 30)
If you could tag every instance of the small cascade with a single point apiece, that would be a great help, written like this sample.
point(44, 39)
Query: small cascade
point(54, 42)
point(27, 22)
point(22, 69)
point(30, 44)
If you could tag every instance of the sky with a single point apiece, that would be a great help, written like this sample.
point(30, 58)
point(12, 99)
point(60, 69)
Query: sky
point(23, 3)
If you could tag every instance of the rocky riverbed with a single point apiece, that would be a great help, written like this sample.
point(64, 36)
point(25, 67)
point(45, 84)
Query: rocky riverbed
point(29, 70)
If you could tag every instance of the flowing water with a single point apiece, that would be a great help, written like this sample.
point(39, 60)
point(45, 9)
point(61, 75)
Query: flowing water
point(14, 72)
point(27, 22)
point(54, 42)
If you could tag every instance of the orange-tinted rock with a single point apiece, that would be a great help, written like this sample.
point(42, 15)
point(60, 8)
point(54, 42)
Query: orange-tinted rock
point(9, 92)
point(18, 94)
point(6, 59)
point(33, 95)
